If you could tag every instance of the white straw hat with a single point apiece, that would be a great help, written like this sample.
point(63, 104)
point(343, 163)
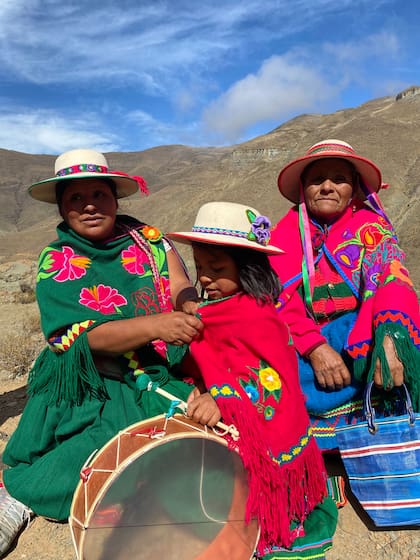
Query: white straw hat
point(83, 164)
point(229, 223)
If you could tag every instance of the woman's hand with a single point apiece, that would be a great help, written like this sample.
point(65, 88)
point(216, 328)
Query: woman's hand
point(330, 370)
point(395, 365)
point(178, 327)
point(117, 337)
point(202, 408)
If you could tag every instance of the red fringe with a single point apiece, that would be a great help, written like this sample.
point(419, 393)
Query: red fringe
point(278, 494)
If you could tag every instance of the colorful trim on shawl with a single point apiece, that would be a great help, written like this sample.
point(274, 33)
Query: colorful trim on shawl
point(62, 343)
point(298, 449)
point(362, 349)
point(393, 316)
point(223, 391)
point(312, 551)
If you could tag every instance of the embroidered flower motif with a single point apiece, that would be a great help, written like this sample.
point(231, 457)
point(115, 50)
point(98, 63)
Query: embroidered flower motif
point(371, 236)
point(260, 228)
point(133, 260)
point(252, 393)
point(372, 277)
point(166, 290)
point(69, 265)
point(145, 301)
point(152, 234)
point(269, 413)
point(262, 384)
point(270, 379)
point(271, 382)
point(398, 271)
point(103, 299)
point(349, 256)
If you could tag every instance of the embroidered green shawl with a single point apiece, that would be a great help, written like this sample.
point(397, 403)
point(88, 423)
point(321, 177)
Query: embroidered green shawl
point(81, 284)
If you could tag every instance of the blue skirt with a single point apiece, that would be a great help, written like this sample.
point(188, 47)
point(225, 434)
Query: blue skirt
point(330, 408)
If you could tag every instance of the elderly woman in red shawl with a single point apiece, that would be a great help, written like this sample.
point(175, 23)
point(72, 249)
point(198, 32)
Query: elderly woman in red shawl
point(348, 298)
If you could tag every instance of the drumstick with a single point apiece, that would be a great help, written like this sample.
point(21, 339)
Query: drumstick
point(143, 381)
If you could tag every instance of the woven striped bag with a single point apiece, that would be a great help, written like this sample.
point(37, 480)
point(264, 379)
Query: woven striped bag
point(382, 460)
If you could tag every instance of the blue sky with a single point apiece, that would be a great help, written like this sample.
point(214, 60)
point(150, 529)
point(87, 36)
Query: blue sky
point(127, 75)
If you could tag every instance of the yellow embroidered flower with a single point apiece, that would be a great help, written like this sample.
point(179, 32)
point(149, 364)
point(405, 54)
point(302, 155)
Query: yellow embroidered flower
point(214, 392)
point(226, 391)
point(152, 233)
point(400, 272)
point(270, 379)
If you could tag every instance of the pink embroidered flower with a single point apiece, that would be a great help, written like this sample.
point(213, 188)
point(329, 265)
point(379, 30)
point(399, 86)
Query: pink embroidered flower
point(69, 265)
point(133, 260)
point(102, 298)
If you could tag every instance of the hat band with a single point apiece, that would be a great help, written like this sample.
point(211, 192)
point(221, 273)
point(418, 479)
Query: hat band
point(220, 231)
point(259, 236)
point(82, 168)
point(331, 148)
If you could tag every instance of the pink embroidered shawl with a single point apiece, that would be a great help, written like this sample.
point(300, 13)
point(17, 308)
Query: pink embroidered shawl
point(363, 248)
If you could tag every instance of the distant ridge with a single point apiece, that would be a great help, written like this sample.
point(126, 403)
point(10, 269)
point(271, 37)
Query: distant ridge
point(182, 178)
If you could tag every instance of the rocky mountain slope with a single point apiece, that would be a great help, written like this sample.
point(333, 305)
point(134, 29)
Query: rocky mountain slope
point(181, 178)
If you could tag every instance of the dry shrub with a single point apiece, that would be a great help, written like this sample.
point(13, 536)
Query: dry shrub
point(20, 346)
point(25, 295)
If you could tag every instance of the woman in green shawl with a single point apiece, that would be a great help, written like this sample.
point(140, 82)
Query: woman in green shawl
point(114, 300)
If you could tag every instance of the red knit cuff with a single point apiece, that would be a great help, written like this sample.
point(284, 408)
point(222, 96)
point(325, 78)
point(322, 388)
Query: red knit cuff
point(313, 347)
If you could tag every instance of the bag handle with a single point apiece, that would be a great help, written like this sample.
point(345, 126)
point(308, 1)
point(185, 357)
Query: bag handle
point(369, 410)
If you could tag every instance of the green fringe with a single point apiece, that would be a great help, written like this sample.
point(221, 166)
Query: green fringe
point(407, 353)
point(67, 376)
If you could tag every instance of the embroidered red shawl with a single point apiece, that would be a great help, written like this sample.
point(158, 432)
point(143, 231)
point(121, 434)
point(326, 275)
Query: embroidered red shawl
point(249, 366)
point(363, 248)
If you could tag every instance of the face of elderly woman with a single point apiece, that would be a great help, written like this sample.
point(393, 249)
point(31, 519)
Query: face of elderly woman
point(89, 207)
point(328, 188)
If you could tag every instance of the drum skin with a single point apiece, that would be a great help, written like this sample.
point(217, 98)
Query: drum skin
point(165, 488)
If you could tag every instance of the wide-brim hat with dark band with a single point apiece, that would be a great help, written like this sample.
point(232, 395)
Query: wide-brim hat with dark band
point(289, 178)
point(229, 223)
point(83, 164)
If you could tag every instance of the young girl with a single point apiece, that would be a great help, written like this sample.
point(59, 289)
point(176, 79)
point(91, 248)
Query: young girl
point(247, 362)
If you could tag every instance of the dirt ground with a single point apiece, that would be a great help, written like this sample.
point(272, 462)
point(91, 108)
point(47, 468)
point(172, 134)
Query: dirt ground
point(46, 540)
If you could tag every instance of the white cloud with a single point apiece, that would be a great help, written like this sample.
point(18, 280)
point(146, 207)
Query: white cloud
point(48, 133)
point(300, 82)
point(282, 86)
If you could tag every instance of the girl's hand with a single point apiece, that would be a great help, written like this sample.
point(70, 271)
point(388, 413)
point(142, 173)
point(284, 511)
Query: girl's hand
point(202, 408)
point(190, 307)
point(330, 370)
point(395, 365)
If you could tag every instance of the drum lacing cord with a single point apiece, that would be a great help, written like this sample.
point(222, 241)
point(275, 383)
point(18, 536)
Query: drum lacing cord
point(203, 508)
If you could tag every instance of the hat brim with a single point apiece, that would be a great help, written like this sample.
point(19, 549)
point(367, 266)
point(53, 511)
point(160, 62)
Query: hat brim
point(289, 178)
point(215, 239)
point(45, 190)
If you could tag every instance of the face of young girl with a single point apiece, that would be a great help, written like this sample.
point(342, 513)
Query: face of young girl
point(216, 271)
